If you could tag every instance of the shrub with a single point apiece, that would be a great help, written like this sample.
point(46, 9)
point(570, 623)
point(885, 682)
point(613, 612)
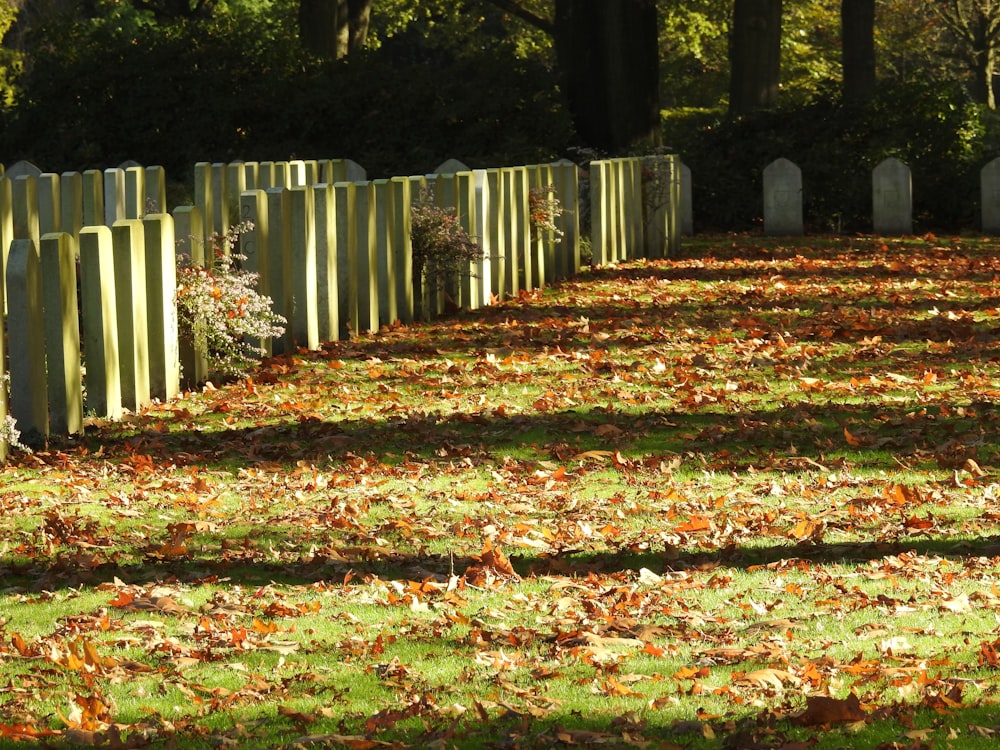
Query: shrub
point(443, 251)
point(220, 308)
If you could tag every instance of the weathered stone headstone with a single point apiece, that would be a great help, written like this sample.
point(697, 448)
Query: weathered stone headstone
point(661, 204)
point(366, 258)
point(496, 186)
point(482, 209)
point(266, 175)
point(344, 197)
point(21, 168)
point(385, 239)
point(26, 336)
point(402, 202)
point(161, 305)
point(305, 315)
point(128, 243)
point(62, 333)
point(220, 201)
point(989, 183)
point(100, 322)
point(203, 199)
point(93, 198)
point(892, 198)
point(783, 198)
point(25, 209)
point(156, 191)
point(71, 196)
point(353, 172)
point(254, 245)
point(114, 196)
point(451, 166)
point(601, 212)
point(6, 219)
point(279, 261)
point(566, 177)
point(49, 203)
point(135, 193)
point(687, 201)
point(542, 240)
point(326, 262)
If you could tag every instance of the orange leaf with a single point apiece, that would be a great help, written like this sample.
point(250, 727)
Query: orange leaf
point(695, 523)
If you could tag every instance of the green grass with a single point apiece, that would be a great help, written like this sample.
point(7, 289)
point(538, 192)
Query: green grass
point(666, 504)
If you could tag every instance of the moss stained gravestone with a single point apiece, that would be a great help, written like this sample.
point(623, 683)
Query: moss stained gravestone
point(783, 198)
point(892, 198)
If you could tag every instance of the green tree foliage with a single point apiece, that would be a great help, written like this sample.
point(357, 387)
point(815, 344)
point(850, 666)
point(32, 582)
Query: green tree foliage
point(239, 85)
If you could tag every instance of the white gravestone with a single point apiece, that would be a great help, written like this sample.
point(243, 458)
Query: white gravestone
point(892, 198)
point(782, 198)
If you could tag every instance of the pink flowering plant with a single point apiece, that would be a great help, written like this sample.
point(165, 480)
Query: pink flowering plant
point(220, 309)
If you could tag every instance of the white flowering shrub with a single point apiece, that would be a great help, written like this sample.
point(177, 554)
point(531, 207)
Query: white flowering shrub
point(220, 307)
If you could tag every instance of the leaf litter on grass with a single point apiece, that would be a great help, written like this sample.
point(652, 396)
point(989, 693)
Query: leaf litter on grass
point(743, 498)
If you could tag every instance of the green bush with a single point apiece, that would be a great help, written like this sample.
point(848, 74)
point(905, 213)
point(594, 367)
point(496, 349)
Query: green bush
point(237, 87)
point(934, 129)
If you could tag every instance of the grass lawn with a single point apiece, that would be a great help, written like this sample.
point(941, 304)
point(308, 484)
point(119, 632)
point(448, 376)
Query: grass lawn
point(744, 498)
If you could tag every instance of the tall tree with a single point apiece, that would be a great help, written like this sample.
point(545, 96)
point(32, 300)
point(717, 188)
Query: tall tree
point(976, 25)
point(755, 55)
point(857, 25)
point(334, 28)
point(608, 53)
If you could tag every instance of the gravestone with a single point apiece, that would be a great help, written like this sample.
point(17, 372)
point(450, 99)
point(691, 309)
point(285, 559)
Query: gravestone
point(989, 183)
point(49, 204)
point(279, 264)
point(402, 205)
point(156, 190)
point(26, 338)
point(687, 202)
point(344, 198)
point(254, 246)
point(161, 306)
point(326, 262)
point(128, 247)
point(93, 198)
point(25, 209)
point(21, 168)
point(892, 198)
point(62, 333)
point(305, 320)
point(385, 241)
point(451, 166)
point(783, 198)
point(99, 308)
point(114, 196)
point(366, 258)
point(71, 196)
point(135, 192)
point(566, 175)
point(495, 231)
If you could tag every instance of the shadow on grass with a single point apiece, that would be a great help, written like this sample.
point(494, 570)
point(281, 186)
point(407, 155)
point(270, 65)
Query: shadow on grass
point(349, 565)
point(723, 434)
point(509, 724)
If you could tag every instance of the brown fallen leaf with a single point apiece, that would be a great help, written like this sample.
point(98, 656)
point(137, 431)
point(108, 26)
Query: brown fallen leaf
point(822, 710)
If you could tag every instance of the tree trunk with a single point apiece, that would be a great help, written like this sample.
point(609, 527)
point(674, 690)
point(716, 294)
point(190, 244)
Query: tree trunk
point(857, 33)
point(334, 28)
point(609, 57)
point(755, 55)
